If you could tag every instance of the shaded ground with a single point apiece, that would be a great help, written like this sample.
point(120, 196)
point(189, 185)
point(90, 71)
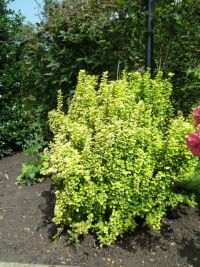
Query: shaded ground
point(26, 232)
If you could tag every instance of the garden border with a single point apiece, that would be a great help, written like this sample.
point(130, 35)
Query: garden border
point(15, 264)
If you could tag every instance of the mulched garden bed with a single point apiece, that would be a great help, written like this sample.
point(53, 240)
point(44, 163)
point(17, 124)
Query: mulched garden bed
point(26, 232)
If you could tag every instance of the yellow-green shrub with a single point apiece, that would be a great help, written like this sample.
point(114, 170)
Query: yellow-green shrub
point(117, 155)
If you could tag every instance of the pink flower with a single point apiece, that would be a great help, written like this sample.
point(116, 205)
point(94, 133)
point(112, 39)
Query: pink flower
point(193, 143)
point(196, 115)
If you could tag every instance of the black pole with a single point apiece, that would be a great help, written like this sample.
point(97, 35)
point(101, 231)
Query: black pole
point(149, 36)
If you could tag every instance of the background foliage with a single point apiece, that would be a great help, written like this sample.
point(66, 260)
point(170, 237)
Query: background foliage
point(96, 36)
point(12, 115)
point(111, 36)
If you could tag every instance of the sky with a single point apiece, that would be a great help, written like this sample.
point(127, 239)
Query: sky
point(28, 9)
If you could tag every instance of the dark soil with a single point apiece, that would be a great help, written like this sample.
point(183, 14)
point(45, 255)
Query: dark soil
point(26, 232)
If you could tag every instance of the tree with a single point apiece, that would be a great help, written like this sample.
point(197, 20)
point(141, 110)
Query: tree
point(110, 35)
point(177, 45)
point(93, 36)
point(15, 123)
